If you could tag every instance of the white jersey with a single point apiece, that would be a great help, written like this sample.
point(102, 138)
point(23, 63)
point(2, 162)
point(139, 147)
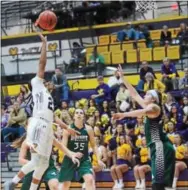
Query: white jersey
point(43, 102)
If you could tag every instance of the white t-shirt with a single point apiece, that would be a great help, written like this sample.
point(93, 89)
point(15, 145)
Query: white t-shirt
point(42, 99)
point(114, 81)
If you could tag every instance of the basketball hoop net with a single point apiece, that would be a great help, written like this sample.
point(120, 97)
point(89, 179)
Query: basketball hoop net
point(145, 5)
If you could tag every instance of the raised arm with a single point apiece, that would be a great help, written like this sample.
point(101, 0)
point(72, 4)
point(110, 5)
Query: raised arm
point(132, 90)
point(42, 62)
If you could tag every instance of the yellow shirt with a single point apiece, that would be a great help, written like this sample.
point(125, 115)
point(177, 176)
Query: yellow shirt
point(158, 85)
point(123, 150)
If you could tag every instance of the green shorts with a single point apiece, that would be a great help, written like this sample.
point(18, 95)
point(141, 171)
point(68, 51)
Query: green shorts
point(51, 173)
point(68, 170)
point(162, 162)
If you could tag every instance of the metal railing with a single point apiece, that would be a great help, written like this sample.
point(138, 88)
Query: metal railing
point(27, 63)
point(16, 10)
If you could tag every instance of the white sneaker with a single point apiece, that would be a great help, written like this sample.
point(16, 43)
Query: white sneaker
point(142, 186)
point(115, 186)
point(121, 185)
point(83, 186)
point(137, 186)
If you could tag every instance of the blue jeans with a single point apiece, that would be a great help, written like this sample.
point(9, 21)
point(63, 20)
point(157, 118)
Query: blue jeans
point(65, 93)
point(18, 131)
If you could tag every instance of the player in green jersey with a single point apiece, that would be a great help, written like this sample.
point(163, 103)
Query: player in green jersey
point(161, 149)
point(79, 143)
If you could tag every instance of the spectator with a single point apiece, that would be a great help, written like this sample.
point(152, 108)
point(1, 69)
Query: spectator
point(185, 110)
point(166, 36)
point(183, 34)
point(143, 165)
point(128, 34)
point(170, 75)
point(152, 83)
point(63, 113)
point(27, 100)
point(183, 37)
point(57, 81)
point(103, 154)
point(102, 92)
point(177, 115)
point(168, 103)
point(123, 98)
point(105, 109)
point(4, 117)
point(96, 62)
point(183, 82)
point(181, 158)
point(76, 57)
point(16, 123)
point(124, 156)
point(61, 86)
point(114, 84)
point(144, 69)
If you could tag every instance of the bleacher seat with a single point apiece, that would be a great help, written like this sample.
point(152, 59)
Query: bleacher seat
point(116, 47)
point(118, 57)
point(127, 45)
point(159, 53)
point(155, 34)
point(131, 56)
point(145, 54)
point(107, 57)
point(102, 48)
point(141, 44)
point(89, 49)
point(173, 52)
point(113, 39)
point(104, 39)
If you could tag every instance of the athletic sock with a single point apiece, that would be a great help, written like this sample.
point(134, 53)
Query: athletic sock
point(33, 186)
point(174, 182)
point(16, 179)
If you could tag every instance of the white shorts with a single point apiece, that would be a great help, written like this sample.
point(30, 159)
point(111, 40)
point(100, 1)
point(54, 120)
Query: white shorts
point(40, 136)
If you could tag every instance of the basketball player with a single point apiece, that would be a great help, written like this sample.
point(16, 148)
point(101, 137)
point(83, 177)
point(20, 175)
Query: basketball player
point(161, 149)
point(40, 133)
point(79, 143)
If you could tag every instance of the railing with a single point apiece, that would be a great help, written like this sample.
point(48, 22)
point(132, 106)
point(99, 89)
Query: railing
point(26, 61)
point(159, 12)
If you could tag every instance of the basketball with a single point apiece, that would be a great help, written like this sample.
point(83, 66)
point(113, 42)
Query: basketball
point(47, 20)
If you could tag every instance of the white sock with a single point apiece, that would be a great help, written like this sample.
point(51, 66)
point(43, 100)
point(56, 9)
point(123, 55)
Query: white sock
point(143, 182)
point(174, 182)
point(121, 181)
point(116, 182)
point(16, 179)
point(138, 182)
point(33, 186)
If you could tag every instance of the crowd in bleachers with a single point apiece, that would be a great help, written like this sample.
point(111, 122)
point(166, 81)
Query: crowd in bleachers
point(119, 141)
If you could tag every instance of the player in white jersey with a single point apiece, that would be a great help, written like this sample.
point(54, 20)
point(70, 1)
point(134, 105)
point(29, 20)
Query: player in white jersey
point(40, 135)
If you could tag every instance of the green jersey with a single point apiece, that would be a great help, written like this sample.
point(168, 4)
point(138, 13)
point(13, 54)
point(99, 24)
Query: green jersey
point(79, 143)
point(154, 131)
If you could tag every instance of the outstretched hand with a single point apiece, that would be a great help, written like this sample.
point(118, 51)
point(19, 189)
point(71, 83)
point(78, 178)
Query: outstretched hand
point(120, 70)
point(39, 32)
point(73, 132)
point(75, 158)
